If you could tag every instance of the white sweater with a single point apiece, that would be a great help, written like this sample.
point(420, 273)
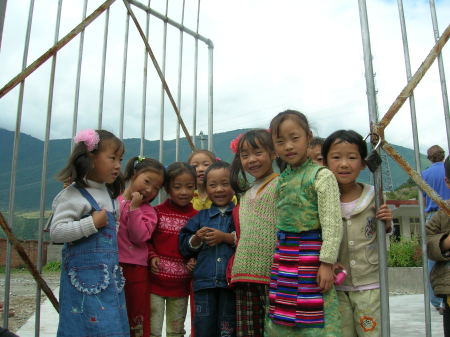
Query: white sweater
point(69, 206)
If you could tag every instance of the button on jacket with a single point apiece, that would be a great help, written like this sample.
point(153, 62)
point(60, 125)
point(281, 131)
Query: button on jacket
point(212, 261)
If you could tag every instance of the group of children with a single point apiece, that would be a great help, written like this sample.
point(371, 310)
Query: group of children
point(261, 266)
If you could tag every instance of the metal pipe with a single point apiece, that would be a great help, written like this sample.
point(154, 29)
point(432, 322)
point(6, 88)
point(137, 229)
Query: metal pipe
point(412, 107)
point(124, 75)
point(102, 76)
point(12, 189)
point(210, 97)
point(441, 73)
point(2, 19)
point(180, 72)
point(44, 173)
point(194, 118)
point(170, 21)
point(373, 116)
point(77, 85)
point(144, 85)
point(163, 69)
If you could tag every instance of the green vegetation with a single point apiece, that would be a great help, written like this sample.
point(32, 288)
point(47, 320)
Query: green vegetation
point(405, 253)
point(406, 191)
point(52, 266)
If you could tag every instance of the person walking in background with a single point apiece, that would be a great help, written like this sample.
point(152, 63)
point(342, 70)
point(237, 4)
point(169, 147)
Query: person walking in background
point(434, 176)
point(137, 223)
point(302, 298)
point(438, 245)
point(315, 150)
point(210, 237)
point(250, 273)
point(92, 300)
point(359, 295)
point(171, 273)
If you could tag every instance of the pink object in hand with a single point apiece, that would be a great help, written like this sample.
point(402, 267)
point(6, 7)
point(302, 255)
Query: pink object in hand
point(340, 277)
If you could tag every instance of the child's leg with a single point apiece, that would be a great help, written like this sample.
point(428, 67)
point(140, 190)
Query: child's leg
point(175, 316)
point(446, 318)
point(205, 320)
point(226, 313)
point(366, 305)
point(157, 304)
point(251, 301)
point(346, 310)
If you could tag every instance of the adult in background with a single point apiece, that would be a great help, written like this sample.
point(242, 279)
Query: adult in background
point(434, 176)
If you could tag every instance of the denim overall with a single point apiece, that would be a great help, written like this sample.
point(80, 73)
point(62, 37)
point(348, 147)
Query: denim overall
point(92, 301)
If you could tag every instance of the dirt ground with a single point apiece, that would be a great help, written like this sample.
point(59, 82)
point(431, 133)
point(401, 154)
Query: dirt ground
point(22, 296)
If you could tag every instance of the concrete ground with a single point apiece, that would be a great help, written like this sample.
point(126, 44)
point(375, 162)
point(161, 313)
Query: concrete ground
point(406, 312)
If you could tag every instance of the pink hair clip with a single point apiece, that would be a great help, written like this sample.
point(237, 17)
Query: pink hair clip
point(89, 137)
point(234, 143)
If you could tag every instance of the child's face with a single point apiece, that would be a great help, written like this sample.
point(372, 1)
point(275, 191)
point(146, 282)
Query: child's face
point(181, 189)
point(106, 164)
point(218, 187)
point(200, 162)
point(256, 161)
point(292, 143)
point(345, 161)
point(315, 154)
point(148, 184)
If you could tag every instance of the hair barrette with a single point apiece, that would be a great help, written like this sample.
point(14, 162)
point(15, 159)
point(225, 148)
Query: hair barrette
point(89, 137)
point(234, 143)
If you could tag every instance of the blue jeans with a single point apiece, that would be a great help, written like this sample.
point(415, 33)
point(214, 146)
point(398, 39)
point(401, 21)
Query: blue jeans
point(215, 313)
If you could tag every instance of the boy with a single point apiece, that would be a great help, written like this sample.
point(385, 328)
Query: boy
point(314, 151)
point(438, 245)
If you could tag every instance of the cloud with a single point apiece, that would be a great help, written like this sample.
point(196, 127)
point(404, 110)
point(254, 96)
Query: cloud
point(268, 56)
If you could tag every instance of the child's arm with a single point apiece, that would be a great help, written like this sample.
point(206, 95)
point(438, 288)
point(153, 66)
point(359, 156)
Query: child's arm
point(331, 224)
point(438, 241)
point(384, 213)
point(189, 239)
point(141, 221)
point(214, 237)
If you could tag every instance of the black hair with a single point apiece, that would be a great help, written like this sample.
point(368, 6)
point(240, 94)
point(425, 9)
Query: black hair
point(208, 153)
point(137, 165)
point(348, 136)
point(315, 141)
point(80, 162)
point(447, 167)
point(218, 164)
point(258, 138)
point(176, 169)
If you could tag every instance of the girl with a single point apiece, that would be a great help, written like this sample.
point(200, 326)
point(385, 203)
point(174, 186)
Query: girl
point(92, 301)
point(250, 274)
point(201, 160)
point(137, 223)
point(209, 237)
point(170, 276)
point(359, 296)
point(302, 299)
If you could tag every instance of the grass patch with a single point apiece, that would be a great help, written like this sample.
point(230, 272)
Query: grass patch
point(405, 253)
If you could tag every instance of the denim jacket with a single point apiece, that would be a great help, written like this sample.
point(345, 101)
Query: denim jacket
point(212, 261)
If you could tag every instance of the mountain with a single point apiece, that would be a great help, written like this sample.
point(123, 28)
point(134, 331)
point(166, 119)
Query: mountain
point(29, 164)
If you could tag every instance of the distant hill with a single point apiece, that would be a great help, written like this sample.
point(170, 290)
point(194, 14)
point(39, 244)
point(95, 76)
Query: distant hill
point(29, 166)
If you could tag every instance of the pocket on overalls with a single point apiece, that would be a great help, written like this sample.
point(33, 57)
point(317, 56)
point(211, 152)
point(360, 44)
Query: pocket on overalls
point(90, 279)
point(119, 279)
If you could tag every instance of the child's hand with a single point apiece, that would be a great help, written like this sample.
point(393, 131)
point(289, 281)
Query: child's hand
point(325, 276)
point(154, 265)
point(190, 265)
point(384, 213)
point(214, 237)
point(337, 267)
point(136, 200)
point(99, 218)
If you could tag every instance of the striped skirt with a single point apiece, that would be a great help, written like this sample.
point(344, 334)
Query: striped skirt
point(295, 299)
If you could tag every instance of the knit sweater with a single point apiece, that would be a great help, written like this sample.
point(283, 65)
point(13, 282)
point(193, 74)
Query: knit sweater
point(71, 218)
point(173, 278)
point(254, 251)
point(135, 230)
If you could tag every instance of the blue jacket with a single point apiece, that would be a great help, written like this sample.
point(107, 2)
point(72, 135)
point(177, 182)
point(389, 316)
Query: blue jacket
point(212, 261)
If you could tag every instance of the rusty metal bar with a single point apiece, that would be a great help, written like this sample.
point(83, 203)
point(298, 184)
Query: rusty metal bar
point(161, 76)
point(416, 177)
point(41, 282)
point(412, 83)
point(53, 50)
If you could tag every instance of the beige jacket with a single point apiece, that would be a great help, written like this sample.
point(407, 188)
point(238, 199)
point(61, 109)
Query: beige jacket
point(438, 228)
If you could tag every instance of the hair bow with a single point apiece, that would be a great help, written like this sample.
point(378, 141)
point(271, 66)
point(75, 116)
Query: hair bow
point(89, 137)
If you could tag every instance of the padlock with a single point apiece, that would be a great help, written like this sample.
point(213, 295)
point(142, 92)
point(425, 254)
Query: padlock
point(373, 160)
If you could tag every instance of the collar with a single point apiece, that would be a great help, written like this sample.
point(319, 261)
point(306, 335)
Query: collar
point(171, 205)
point(214, 210)
point(365, 199)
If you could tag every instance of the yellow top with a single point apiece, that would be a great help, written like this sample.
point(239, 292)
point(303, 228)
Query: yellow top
point(204, 203)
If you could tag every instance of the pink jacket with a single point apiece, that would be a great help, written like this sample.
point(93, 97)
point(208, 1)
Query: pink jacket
point(135, 230)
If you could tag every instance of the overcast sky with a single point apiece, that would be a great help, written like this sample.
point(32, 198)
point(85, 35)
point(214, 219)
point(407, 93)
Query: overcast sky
point(268, 56)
